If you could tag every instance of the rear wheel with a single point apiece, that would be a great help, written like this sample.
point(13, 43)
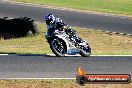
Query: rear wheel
point(58, 47)
point(85, 51)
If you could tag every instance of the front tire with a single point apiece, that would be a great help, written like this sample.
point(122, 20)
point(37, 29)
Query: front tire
point(58, 47)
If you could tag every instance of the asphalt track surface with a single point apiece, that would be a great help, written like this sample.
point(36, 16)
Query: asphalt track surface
point(102, 22)
point(41, 66)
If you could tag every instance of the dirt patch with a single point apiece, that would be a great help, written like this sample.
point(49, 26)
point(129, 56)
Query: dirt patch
point(55, 84)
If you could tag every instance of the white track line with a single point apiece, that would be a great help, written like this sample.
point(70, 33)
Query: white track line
point(75, 55)
point(3, 54)
point(93, 55)
point(37, 78)
point(110, 55)
point(5, 0)
point(68, 9)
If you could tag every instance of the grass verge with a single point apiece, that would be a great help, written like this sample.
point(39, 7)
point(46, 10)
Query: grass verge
point(55, 84)
point(110, 6)
point(100, 42)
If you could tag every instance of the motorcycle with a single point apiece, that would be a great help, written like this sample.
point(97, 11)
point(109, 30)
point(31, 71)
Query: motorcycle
point(67, 42)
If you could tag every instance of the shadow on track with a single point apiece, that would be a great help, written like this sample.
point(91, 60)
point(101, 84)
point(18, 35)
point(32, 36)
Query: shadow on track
point(45, 55)
point(29, 54)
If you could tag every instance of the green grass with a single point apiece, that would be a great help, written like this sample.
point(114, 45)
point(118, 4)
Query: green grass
point(100, 42)
point(112, 6)
point(30, 44)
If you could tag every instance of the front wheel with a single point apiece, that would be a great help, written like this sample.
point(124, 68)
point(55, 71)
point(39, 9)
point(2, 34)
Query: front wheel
point(58, 47)
point(85, 51)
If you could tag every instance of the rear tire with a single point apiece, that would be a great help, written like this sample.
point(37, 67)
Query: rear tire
point(83, 53)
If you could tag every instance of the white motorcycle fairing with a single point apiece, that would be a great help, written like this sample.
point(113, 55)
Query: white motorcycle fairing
point(71, 49)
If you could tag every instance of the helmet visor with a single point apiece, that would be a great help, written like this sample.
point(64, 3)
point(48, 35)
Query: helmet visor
point(48, 22)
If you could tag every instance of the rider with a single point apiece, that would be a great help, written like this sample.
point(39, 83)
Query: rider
point(54, 23)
